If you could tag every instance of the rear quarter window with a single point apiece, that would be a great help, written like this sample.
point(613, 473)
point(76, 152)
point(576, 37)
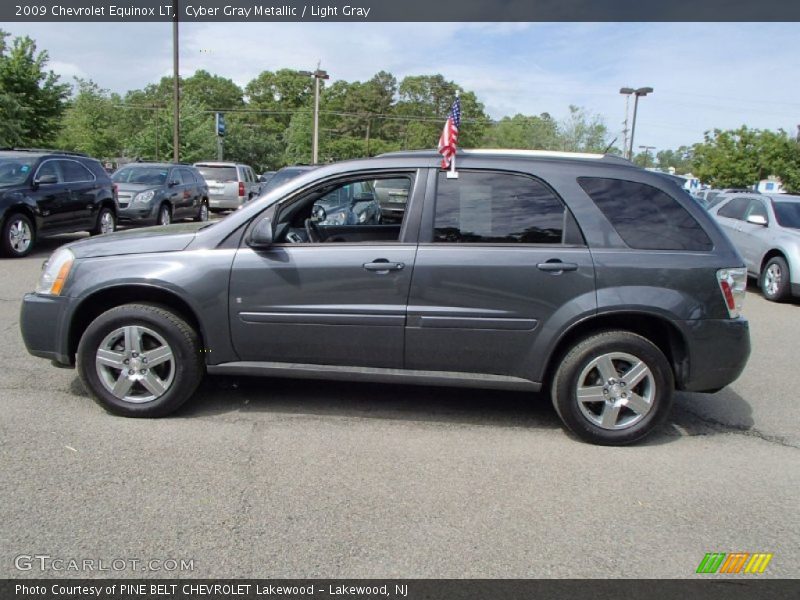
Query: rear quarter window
point(645, 217)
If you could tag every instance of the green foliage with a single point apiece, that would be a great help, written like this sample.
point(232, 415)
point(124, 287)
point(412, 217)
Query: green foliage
point(742, 157)
point(525, 133)
point(680, 160)
point(90, 122)
point(582, 131)
point(32, 100)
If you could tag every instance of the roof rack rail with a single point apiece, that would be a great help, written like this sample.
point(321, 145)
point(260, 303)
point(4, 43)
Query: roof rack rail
point(158, 162)
point(517, 152)
point(46, 150)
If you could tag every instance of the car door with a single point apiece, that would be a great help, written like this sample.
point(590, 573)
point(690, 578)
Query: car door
point(80, 204)
point(336, 302)
point(51, 196)
point(187, 195)
point(499, 256)
point(754, 237)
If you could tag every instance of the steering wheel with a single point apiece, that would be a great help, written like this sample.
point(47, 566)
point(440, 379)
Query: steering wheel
point(312, 230)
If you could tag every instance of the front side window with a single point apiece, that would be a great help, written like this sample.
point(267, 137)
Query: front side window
point(496, 208)
point(734, 209)
point(347, 211)
point(49, 168)
point(645, 217)
point(756, 209)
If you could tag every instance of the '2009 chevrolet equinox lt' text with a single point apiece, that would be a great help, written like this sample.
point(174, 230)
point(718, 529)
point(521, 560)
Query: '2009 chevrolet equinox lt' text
point(577, 274)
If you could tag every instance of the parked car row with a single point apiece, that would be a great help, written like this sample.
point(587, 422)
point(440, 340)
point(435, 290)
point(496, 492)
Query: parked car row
point(48, 192)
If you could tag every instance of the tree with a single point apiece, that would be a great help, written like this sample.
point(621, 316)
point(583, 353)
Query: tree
point(743, 157)
point(31, 96)
point(680, 159)
point(524, 132)
point(582, 131)
point(91, 122)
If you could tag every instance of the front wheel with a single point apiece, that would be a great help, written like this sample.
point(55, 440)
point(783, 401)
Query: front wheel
point(613, 388)
point(140, 360)
point(18, 236)
point(164, 215)
point(775, 283)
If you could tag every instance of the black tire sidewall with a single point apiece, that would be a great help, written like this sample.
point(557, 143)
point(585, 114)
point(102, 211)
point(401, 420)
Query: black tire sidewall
point(7, 250)
point(783, 290)
point(564, 392)
point(186, 350)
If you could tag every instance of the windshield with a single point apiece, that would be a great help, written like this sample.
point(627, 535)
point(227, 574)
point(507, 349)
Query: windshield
point(141, 175)
point(787, 214)
point(222, 174)
point(14, 170)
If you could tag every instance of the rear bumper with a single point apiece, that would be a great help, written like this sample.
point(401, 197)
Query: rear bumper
point(718, 353)
point(225, 202)
point(43, 324)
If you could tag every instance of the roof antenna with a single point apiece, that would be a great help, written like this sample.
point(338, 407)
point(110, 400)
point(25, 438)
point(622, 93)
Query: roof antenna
point(609, 146)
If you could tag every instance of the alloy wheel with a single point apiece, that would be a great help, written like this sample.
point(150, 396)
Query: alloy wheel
point(20, 236)
point(773, 279)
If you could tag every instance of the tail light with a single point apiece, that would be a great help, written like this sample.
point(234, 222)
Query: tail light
point(733, 285)
point(241, 188)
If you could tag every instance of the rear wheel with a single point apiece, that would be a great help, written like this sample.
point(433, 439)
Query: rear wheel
point(202, 214)
point(613, 388)
point(140, 360)
point(18, 236)
point(775, 282)
point(106, 222)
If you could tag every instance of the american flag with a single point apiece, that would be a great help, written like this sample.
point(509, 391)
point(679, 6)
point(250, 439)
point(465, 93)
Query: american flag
point(449, 137)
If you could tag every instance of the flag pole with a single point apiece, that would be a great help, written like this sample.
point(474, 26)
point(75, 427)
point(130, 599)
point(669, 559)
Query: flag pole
point(452, 173)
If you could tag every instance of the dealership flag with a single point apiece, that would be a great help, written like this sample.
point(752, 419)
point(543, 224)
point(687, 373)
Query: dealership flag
point(449, 138)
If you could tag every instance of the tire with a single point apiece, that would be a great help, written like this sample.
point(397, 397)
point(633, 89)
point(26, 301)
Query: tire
point(164, 215)
point(19, 236)
point(138, 388)
point(106, 222)
point(611, 418)
point(202, 214)
point(774, 281)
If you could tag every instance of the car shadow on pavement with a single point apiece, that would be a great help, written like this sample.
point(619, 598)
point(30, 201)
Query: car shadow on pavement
point(693, 414)
point(220, 395)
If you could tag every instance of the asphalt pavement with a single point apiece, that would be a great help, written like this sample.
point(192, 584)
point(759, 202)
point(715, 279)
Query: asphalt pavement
point(282, 478)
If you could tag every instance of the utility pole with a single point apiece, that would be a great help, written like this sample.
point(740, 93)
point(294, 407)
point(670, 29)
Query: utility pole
point(318, 74)
point(176, 86)
point(647, 154)
point(643, 91)
point(625, 125)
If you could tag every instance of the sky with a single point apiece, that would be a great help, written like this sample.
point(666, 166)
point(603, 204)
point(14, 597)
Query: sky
point(704, 75)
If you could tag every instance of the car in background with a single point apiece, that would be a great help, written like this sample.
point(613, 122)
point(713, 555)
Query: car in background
point(392, 196)
point(283, 175)
point(350, 204)
point(265, 177)
point(230, 184)
point(160, 193)
point(765, 228)
point(47, 192)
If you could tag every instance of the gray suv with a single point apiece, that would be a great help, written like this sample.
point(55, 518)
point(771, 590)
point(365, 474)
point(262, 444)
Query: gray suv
point(160, 193)
point(230, 184)
point(579, 275)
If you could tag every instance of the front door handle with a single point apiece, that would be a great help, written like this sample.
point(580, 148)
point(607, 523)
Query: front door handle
point(556, 266)
point(382, 265)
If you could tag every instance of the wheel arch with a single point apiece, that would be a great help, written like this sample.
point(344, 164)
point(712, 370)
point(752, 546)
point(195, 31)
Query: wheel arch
point(23, 209)
point(774, 252)
point(105, 299)
point(666, 336)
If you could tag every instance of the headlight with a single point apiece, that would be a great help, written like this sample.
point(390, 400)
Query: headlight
point(337, 218)
point(55, 272)
point(144, 197)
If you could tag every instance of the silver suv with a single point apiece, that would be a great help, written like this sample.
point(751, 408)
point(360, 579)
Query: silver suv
point(230, 184)
point(765, 228)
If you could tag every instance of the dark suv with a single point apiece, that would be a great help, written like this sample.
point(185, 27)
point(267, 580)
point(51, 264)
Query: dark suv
point(581, 275)
point(46, 192)
point(160, 193)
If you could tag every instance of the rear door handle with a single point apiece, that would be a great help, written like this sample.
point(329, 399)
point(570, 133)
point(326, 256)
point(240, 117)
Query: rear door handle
point(382, 265)
point(556, 266)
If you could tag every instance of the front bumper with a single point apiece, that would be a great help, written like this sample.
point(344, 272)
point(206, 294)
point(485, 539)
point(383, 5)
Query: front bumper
point(718, 353)
point(43, 323)
point(137, 214)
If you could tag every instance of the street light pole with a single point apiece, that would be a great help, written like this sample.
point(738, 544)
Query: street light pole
point(318, 74)
point(643, 91)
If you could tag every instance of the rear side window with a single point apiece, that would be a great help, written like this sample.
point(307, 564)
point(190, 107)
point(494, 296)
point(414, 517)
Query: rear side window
point(496, 208)
point(645, 217)
point(75, 172)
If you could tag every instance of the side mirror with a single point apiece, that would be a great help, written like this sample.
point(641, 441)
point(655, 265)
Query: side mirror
point(261, 236)
point(45, 180)
point(757, 220)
